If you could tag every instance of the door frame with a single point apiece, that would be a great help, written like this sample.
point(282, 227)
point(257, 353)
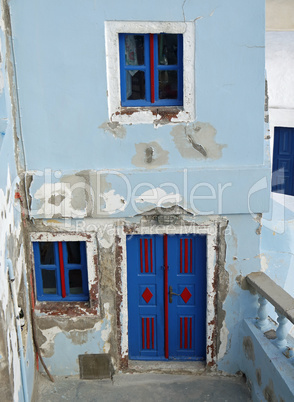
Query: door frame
point(212, 231)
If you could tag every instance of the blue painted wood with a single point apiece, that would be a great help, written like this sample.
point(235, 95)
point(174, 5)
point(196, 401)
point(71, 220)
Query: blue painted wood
point(283, 161)
point(139, 309)
point(191, 308)
point(38, 274)
point(146, 69)
point(56, 268)
point(189, 344)
point(82, 267)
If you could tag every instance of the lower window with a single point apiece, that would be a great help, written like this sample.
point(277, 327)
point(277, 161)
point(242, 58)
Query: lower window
point(61, 271)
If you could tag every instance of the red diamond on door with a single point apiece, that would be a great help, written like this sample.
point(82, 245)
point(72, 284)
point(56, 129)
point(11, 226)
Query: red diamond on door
point(147, 295)
point(186, 295)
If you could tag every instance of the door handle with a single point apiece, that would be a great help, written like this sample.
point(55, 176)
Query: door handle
point(171, 294)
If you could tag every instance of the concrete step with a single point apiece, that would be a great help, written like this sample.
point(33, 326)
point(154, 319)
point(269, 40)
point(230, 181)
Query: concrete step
point(145, 387)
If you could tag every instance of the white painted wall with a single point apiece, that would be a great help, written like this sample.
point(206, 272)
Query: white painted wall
point(280, 68)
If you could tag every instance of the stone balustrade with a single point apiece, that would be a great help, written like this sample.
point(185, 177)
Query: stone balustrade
point(269, 291)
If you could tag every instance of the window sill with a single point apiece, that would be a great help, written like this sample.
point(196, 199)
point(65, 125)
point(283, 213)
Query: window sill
point(151, 115)
point(68, 309)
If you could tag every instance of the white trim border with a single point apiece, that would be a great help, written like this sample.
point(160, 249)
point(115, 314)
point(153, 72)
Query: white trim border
point(211, 230)
point(145, 116)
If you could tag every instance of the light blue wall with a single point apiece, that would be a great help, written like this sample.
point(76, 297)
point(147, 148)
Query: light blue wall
point(242, 257)
point(269, 373)
point(61, 70)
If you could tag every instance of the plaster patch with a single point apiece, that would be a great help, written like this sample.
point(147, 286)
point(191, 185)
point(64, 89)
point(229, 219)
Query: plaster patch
point(106, 235)
point(197, 141)
point(106, 332)
point(80, 189)
point(223, 340)
point(159, 197)
point(48, 346)
point(77, 323)
point(98, 185)
point(258, 376)
point(106, 347)
point(56, 200)
point(78, 337)
point(248, 348)
point(142, 158)
point(244, 285)
point(263, 263)
point(113, 202)
point(114, 128)
point(269, 392)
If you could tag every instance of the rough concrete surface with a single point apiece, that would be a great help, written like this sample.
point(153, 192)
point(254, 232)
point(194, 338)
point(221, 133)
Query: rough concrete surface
point(144, 387)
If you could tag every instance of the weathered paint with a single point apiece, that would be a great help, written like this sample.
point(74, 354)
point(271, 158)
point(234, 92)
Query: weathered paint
point(97, 172)
point(150, 158)
point(269, 372)
point(114, 128)
point(197, 141)
point(12, 236)
point(114, 193)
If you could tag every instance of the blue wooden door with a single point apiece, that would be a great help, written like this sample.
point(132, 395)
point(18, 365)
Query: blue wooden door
point(167, 297)
point(283, 161)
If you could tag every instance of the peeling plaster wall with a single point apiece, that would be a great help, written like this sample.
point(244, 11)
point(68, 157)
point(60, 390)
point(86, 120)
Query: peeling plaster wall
point(242, 241)
point(90, 175)
point(67, 334)
point(63, 339)
point(116, 194)
point(11, 232)
point(64, 330)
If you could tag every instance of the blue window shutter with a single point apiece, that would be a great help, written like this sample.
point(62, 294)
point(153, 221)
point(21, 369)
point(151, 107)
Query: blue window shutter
point(283, 161)
point(55, 267)
point(178, 68)
point(124, 68)
point(41, 295)
point(82, 267)
point(146, 69)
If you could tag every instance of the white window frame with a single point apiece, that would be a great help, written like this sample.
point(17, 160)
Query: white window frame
point(146, 115)
point(91, 252)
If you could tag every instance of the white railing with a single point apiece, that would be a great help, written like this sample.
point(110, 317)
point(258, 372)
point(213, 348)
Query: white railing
point(268, 290)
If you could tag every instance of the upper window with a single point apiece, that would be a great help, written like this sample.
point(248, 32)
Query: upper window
point(283, 161)
point(61, 271)
point(151, 69)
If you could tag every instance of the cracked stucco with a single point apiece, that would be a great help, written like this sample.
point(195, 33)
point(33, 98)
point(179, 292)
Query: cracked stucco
point(197, 141)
